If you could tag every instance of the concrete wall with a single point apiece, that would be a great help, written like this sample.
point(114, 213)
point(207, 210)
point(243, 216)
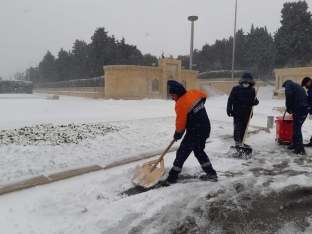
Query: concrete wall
point(126, 82)
point(136, 82)
point(294, 74)
point(225, 85)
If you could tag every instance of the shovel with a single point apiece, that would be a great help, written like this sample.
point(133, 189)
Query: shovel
point(149, 174)
point(241, 151)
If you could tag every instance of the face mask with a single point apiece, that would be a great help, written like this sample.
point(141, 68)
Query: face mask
point(245, 85)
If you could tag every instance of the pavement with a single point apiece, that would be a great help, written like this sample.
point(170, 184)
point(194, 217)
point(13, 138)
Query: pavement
point(41, 179)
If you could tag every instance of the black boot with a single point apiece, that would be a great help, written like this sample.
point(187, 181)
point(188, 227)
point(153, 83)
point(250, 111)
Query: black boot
point(291, 147)
point(209, 177)
point(173, 176)
point(301, 152)
point(211, 174)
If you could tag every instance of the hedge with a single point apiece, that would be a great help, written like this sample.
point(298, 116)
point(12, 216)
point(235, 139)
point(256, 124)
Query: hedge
point(16, 86)
point(92, 82)
point(220, 74)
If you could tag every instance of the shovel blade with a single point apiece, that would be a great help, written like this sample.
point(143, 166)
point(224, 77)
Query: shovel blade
point(240, 152)
point(145, 178)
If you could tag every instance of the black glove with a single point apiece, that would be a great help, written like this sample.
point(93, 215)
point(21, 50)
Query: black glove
point(229, 112)
point(256, 102)
point(289, 110)
point(177, 135)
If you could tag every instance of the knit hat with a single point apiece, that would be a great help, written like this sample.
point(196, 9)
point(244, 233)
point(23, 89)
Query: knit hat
point(305, 81)
point(176, 88)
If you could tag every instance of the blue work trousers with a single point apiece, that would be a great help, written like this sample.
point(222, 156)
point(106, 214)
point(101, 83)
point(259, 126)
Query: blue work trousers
point(299, 116)
point(186, 147)
point(240, 125)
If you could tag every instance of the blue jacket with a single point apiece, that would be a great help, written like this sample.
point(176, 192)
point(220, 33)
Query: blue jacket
point(309, 92)
point(191, 115)
point(241, 101)
point(295, 95)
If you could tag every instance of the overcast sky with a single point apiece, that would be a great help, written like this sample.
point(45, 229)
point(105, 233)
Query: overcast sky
point(29, 28)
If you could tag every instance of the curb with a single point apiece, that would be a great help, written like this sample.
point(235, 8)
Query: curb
point(41, 180)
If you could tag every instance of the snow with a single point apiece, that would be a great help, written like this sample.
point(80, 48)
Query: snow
point(272, 188)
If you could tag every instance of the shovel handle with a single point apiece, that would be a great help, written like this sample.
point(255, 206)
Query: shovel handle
point(246, 130)
point(162, 155)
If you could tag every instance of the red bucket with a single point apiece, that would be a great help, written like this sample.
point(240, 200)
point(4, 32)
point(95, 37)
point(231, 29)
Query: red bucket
point(284, 129)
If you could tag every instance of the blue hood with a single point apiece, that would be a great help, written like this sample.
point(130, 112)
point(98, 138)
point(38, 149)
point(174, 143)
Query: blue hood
point(287, 82)
point(247, 77)
point(176, 88)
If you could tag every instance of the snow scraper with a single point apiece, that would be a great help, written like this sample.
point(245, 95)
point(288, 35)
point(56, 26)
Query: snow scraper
point(241, 151)
point(149, 174)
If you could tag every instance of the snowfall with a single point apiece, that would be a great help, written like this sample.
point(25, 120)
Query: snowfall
point(269, 193)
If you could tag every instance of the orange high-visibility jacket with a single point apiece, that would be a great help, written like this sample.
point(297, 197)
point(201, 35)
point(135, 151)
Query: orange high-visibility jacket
point(191, 113)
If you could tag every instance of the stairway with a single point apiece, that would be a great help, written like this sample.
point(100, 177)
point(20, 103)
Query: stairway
point(211, 91)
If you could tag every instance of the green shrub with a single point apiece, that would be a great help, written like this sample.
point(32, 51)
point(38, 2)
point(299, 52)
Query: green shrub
point(16, 86)
point(92, 82)
point(220, 74)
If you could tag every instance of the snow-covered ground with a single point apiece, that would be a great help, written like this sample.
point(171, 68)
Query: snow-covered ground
point(269, 193)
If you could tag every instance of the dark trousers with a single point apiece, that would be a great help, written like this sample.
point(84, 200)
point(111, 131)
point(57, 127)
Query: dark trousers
point(186, 147)
point(240, 125)
point(299, 116)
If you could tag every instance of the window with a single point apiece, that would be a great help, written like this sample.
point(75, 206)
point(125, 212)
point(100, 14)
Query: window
point(155, 86)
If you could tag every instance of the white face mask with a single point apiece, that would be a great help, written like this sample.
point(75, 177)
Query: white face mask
point(245, 85)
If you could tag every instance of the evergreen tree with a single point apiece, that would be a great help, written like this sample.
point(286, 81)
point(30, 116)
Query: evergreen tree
point(204, 59)
point(102, 52)
point(259, 52)
point(47, 68)
point(81, 62)
point(293, 40)
point(222, 53)
point(185, 61)
point(136, 58)
point(63, 65)
point(149, 60)
point(126, 53)
point(240, 59)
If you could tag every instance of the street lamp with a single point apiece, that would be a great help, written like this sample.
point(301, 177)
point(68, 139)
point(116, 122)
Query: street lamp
point(192, 19)
point(12, 76)
point(18, 73)
point(234, 42)
point(29, 69)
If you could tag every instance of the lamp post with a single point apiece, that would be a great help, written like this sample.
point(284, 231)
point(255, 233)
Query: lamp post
point(12, 76)
point(233, 56)
point(192, 19)
point(29, 69)
point(18, 73)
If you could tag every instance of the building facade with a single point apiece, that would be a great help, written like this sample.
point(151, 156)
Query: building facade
point(294, 74)
point(131, 82)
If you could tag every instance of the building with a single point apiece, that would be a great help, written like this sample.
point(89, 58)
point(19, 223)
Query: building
point(131, 82)
point(294, 74)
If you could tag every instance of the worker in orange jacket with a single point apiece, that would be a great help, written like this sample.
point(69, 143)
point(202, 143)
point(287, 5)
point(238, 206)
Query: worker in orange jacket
point(192, 118)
